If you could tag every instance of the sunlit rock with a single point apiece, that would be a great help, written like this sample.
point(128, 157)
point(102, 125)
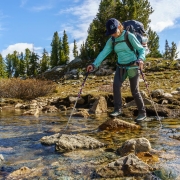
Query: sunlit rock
point(115, 124)
point(99, 106)
point(134, 146)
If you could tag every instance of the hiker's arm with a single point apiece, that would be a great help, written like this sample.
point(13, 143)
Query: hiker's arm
point(102, 55)
point(137, 46)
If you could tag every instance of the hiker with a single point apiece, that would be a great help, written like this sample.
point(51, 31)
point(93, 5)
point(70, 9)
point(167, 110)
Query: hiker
point(127, 66)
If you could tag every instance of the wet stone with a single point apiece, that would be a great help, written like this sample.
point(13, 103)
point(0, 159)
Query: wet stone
point(73, 142)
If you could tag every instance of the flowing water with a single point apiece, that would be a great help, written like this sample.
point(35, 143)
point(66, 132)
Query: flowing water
point(20, 145)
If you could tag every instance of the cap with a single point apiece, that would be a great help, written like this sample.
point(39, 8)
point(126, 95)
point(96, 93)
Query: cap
point(111, 26)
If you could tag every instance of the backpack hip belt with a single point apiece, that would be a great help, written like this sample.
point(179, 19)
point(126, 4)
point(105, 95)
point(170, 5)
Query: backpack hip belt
point(125, 65)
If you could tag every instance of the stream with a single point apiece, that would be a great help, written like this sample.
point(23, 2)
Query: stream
point(20, 145)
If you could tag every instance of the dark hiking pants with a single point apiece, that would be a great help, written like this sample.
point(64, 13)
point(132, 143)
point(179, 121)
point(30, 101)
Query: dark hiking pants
point(120, 75)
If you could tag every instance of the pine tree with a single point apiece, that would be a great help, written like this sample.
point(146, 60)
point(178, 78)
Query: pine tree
point(153, 44)
point(27, 61)
point(12, 64)
point(3, 73)
point(45, 61)
point(65, 47)
point(54, 61)
point(62, 57)
point(75, 51)
point(9, 65)
point(16, 64)
point(174, 53)
point(83, 52)
point(167, 50)
point(22, 65)
point(33, 64)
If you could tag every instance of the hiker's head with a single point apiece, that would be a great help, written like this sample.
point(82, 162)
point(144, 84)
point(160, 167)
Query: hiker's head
point(113, 27)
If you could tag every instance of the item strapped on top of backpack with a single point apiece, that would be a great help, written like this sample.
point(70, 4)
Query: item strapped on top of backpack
point(136, 28)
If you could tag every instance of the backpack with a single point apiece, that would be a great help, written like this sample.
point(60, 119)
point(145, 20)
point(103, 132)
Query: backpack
point(136, 28)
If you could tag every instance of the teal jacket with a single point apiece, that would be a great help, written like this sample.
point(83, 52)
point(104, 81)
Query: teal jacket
point(124, 53)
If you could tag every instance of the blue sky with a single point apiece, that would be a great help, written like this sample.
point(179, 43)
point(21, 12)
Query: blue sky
point(32, 23)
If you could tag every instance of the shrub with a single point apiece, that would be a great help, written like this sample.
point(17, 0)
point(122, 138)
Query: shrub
point(25, 89)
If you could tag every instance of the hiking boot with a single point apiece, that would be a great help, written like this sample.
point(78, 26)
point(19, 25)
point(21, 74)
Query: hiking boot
point(140, 118)
point(116, 113)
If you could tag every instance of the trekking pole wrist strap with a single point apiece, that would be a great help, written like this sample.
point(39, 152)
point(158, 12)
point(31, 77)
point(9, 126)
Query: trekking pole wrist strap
point(138, 61)
point(93, 66)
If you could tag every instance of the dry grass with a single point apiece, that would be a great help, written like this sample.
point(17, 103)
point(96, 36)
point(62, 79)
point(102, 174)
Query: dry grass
point(25, 89)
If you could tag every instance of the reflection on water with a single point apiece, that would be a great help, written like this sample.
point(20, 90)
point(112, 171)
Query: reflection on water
point(20, 146)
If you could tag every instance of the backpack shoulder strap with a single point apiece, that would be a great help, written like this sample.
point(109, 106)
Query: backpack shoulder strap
point(129, 43)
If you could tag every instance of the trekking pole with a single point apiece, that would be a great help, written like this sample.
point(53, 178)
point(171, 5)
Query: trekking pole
point(142, 74)
point(79, 94)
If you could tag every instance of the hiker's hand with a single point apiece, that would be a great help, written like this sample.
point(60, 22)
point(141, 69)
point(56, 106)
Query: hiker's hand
point(140, 63)
point(90, 68)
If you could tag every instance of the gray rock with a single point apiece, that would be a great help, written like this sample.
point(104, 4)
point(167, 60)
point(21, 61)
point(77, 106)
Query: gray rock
point(73, 142)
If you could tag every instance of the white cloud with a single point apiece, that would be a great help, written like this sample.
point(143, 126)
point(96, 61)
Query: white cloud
point(20, 47)
point(78, 29)
point(165, 14)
